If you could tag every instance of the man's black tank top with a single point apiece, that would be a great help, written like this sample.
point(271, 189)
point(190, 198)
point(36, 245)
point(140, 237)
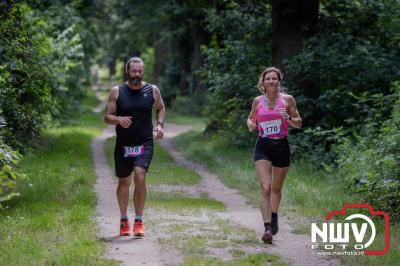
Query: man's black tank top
point(137, 104)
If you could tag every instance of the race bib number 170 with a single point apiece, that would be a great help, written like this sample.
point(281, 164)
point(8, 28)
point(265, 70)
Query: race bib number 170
point(271, 127)
point(133, 151)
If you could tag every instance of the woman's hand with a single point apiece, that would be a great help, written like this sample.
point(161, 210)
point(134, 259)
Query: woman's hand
point(284, 114)
point(251, 124)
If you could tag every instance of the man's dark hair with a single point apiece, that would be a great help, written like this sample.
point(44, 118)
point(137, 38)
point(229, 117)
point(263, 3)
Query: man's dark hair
point(133, 60)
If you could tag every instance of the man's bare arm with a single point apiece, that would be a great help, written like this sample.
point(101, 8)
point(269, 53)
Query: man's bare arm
point(110, 116)
point(158, 105)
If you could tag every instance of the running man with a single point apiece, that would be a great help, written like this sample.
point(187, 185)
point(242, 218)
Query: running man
point(273, 111)
point(129, 107)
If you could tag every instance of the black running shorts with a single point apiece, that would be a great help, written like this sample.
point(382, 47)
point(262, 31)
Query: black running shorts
point(277, 151)
point(124, 165)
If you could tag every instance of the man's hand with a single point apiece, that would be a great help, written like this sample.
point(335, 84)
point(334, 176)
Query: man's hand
point(159, 132)
point(125, 121)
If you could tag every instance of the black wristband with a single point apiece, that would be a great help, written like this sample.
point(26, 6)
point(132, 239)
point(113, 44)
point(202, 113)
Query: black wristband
point(160, 123)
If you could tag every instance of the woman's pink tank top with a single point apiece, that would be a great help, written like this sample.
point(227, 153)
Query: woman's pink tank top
point(271, 124)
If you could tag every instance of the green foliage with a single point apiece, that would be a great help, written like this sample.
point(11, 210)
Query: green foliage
point(44, 61)
point(352, 61)
point(314, 143)
point(8, 175)
point(24, 76)
point(8, 161)
point(239, 53)
point(42, 68)
point(371, 162)
point(73, 44)
point(51, 222)
point(170, 31)
point(187, 105)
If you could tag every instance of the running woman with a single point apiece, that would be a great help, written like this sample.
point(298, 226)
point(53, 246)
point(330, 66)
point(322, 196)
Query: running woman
point(129, 108)
point(272, 113)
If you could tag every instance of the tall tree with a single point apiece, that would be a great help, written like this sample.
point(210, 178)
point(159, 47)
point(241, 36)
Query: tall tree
point(292, 23)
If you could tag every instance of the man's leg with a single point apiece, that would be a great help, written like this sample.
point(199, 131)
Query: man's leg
point(140, 193)
point(123, 193)
point(139, 199)
point(123, 199)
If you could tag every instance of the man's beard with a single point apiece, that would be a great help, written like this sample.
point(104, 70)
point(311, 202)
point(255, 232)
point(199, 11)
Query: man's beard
point(135, 80)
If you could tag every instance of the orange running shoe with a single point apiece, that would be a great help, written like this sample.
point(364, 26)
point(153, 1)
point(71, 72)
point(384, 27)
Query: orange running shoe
point(124, 228)
point(138, 229)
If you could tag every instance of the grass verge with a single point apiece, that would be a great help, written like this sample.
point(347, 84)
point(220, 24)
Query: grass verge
point(307, 193)
point(196, 122)
point(179, 203)
point(51, 222)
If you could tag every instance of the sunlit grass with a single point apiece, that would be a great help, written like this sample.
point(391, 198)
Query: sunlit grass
point(256, 259)
point(181, 204)
point(197, 239)
point(197, 122)
point(51, 223)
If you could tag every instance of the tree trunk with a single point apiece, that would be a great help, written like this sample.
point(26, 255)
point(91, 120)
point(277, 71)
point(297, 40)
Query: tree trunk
point(292, 23)
point(159, 64)
point(185, 47)
point(201, 37)
point(111, 68)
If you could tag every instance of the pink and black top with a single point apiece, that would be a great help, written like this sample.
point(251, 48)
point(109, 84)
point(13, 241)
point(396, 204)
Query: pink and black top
point(271, 124)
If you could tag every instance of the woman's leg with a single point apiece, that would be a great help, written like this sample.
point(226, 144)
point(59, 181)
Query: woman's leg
point(278, 178)
point(279, 175)
point(263, 171)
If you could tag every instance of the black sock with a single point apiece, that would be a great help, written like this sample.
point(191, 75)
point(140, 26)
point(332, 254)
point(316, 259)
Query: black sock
point(267, 225)
point(138, 220)
point(274, 214)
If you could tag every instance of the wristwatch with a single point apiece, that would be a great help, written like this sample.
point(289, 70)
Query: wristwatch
point(160, 123)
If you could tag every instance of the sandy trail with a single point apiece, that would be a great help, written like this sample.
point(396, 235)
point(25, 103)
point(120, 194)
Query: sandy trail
point(129, 251)
point(293, 248)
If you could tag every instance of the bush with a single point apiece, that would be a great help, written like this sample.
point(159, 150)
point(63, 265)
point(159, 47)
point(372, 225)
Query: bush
point(8, 161)
point(313, 145)
point(187, 105)
point(43, 65)
point(371, 162)
point(25, 76)
point(232, 67)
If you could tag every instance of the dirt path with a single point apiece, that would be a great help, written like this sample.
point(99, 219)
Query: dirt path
point(293, 248)
point(129, 251)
